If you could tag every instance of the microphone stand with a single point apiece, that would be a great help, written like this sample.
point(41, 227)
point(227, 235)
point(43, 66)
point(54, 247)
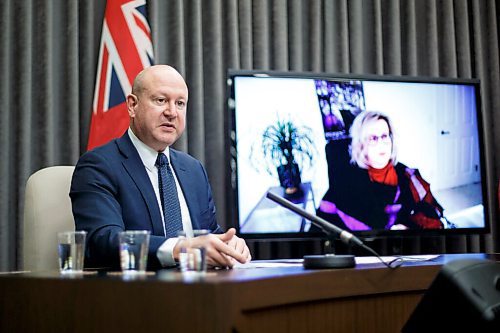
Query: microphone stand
point(329, 259)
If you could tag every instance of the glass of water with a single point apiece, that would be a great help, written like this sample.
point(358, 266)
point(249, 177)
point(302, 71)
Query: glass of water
point(192, 259)
point(71, 251)
point(134, 245)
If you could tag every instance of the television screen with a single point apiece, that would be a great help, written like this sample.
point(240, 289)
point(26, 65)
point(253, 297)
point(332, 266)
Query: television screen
point(375, 155)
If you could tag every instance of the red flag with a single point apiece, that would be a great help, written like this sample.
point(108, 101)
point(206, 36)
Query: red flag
point(125, 50)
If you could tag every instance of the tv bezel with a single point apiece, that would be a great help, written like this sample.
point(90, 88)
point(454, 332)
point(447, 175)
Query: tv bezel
point(231, 147)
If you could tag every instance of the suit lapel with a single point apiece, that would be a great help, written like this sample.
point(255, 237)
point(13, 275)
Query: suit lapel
point(188, 186)
point(136, 170)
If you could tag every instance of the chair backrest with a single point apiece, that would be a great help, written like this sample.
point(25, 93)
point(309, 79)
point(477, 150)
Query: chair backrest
point(47, 210)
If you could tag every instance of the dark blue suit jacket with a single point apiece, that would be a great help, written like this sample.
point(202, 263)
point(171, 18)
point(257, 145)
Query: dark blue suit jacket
point(111, 192)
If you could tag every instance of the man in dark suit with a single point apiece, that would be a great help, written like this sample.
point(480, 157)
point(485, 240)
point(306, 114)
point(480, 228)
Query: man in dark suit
point(115, 187)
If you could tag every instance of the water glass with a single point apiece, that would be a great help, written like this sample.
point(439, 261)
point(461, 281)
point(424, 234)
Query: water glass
point(192, 259)
point(134, 246)
point(71, 251)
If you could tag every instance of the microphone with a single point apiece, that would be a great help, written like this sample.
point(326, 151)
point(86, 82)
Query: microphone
point(329, 260)
point(330, 229)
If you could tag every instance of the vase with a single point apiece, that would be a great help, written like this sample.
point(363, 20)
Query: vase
point(289, 176)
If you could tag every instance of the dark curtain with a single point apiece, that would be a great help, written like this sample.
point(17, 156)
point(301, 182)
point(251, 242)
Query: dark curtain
point(48, 61)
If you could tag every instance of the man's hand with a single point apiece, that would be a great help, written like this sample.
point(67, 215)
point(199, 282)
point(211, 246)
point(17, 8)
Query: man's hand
point(239, 245)
point(222, 250)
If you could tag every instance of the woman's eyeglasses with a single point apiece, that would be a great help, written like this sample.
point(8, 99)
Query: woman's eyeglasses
point(374, 139)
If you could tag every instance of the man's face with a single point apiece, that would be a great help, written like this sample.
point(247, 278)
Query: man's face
point(158, 113)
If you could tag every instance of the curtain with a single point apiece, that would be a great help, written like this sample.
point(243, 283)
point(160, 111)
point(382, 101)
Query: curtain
point(48, 61)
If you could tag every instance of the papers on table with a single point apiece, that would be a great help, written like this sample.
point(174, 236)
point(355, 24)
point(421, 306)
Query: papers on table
point(359, 261)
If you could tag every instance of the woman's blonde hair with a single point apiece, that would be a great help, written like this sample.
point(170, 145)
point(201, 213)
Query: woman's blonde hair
point(359, 137)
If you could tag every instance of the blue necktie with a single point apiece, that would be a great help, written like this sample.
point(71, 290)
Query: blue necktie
point(168, 195)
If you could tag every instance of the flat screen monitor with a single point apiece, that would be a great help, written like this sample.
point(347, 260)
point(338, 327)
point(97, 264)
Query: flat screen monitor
point(375, 155)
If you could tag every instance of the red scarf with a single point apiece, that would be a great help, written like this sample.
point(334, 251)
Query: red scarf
point(387, 175)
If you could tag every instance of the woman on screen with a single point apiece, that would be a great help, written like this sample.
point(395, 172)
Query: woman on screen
point(376, 191)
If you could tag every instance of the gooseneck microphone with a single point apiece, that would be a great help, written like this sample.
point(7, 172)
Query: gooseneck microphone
point(345, 236)
point(329, 260)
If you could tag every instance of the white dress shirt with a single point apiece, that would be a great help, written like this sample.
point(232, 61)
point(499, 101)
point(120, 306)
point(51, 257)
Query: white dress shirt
point(148, 157)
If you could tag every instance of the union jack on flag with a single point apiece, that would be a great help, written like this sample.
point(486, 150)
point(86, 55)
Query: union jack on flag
point(126, 49)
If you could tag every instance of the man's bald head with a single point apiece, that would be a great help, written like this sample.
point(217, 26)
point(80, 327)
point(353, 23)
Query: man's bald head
point(142, 79)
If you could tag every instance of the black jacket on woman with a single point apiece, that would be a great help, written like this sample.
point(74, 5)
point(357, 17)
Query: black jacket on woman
point(355, 196)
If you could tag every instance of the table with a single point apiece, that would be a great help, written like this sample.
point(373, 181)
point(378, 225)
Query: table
point(268, 217)
point(369, 297)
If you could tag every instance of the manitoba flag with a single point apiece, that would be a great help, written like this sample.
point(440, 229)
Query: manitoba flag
point(125, 50)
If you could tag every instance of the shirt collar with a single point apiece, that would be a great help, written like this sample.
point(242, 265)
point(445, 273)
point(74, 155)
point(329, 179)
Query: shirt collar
point(147, 154)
